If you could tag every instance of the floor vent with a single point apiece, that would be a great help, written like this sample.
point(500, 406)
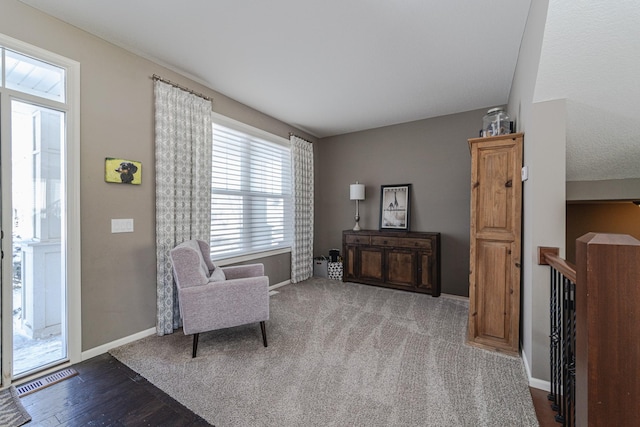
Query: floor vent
point(43, 382)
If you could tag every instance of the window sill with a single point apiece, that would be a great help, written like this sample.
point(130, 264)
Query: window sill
point(249, 257)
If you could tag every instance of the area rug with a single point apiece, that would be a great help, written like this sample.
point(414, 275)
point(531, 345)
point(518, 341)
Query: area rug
point(12, 413)
point(341, 354)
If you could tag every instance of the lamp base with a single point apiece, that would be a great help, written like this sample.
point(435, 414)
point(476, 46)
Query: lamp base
point(357, 226)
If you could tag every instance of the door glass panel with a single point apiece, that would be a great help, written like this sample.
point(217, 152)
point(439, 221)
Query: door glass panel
point(35, 77)
point(39, 281)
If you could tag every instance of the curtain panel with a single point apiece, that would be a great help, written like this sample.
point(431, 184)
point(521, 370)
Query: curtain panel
point(302, 247)
point(183, 141)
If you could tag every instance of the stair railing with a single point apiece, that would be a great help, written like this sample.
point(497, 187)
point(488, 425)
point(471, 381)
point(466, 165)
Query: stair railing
point(562, 335)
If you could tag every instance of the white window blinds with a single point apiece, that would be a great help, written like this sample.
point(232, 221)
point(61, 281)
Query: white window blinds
point(250, 194)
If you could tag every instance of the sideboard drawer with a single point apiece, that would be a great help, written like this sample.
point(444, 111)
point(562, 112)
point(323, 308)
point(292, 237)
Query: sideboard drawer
point(355, 239)
point(415, 243)
point(384, 241)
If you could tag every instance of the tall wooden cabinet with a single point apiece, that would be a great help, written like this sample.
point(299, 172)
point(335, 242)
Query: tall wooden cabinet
point(496, 214)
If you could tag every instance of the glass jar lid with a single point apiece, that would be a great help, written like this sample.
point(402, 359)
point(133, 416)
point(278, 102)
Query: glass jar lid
point(494, 110)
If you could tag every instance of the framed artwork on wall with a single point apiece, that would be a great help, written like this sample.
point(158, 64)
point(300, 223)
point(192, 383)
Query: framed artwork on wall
point(395, 207)
point(121, 171)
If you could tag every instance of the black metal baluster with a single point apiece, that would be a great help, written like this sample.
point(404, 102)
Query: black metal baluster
point(571, 358)
point(555, 339)
point(562, 347)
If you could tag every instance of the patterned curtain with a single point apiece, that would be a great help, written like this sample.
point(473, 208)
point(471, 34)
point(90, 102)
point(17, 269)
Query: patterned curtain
point(302, 248)
point(183, 133)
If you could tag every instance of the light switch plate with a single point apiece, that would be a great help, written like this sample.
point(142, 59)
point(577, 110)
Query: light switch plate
point(524, 173)
point(122, 225)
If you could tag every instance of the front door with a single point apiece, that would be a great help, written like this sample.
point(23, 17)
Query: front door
point(37, 213)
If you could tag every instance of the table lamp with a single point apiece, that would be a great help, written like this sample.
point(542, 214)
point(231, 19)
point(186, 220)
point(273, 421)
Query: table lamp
point(356, 192)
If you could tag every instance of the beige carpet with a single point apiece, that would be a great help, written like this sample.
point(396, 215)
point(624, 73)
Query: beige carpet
point(341, 354)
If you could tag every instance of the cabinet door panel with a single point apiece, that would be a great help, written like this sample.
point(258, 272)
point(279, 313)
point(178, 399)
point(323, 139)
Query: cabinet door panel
point(350, 262)
point(371, 264)
point(401, 267)
point(497, 183)
point(426, 277)
point(493, 289)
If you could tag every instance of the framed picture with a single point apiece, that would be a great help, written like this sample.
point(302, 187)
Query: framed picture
point(395, 207)
point(121, 171)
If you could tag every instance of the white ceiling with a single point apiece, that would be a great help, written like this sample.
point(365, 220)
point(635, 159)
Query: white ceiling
point(327, 67)
point(591, 57)
point(336, 66)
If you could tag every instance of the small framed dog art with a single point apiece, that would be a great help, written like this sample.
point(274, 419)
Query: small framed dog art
point(121, 171)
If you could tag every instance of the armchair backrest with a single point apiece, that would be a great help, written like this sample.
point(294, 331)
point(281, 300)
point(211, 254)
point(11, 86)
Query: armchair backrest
point(190, 265)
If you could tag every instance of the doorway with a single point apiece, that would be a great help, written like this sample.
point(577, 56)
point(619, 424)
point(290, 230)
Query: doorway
point(40, 211)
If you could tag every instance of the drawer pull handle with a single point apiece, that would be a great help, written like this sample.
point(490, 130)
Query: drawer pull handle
point(509, 184)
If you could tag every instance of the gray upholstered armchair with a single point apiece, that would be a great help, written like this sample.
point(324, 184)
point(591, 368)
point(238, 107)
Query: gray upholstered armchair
point(214, 297)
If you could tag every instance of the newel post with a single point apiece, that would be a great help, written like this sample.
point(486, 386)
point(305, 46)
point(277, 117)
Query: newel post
point(607, 330)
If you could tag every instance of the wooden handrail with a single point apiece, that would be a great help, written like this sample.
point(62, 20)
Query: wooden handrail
point(550, 256)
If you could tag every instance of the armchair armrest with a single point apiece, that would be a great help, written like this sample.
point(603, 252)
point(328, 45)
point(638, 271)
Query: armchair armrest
point(242, 271)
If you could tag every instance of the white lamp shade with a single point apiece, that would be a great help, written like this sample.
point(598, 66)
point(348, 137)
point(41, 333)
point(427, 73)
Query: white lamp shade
point(356, 191)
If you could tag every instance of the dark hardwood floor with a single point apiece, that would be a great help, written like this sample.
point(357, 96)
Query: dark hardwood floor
point(106, 393)
point(546, 415)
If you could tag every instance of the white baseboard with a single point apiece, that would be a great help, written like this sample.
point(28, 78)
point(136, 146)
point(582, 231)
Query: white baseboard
point(96, 351)
point(540, 384)
point(534, 382)
point(142, 334)
point(456, 297)
point(279, 285)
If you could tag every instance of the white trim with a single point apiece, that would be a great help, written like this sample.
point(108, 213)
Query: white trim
point(250, 257)
point(74, 249)
point(534, 382)
point(279, 285)
point(219, 119)
point(455, 297)
point(539, 384)
point(104, 348)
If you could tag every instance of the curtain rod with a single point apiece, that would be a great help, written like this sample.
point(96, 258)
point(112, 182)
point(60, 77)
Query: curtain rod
point(293, 134)
point(186, 89)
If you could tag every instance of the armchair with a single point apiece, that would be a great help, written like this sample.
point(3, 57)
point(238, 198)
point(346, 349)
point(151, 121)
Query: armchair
point(213, 297)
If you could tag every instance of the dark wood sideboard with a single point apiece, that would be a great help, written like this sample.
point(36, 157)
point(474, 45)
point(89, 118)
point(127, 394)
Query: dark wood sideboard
point(394, 259)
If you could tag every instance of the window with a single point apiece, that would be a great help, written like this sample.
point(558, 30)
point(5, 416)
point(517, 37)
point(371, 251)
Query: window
point(251, 200)
point(35, 77)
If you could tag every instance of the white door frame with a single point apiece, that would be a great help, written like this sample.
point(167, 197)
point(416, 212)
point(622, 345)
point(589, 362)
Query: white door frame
point(71, 170)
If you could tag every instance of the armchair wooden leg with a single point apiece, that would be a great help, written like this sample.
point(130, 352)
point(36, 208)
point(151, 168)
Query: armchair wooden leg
point(264, 333)
point(195, 345)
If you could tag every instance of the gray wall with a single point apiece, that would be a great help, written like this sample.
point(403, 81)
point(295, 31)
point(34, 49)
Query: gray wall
point(543, 212)
point(432, 155)
point(119, 270)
